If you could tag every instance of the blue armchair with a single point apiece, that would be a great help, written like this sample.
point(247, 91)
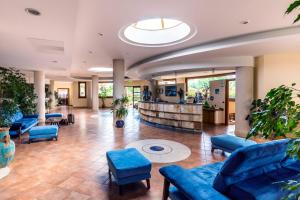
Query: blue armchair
point(22, 123)
point(252, 172)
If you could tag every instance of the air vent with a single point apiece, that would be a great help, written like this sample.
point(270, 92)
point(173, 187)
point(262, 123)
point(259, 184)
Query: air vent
point(47, 46)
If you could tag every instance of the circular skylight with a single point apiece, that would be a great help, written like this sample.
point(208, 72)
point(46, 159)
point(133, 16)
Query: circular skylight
point(157, 32)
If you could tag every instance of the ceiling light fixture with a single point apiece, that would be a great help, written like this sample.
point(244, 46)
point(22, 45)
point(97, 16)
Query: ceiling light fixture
point(32, 11)
point(90, 52)
point(100, 69)
point(244, 22)
point(100, 34)
point(54, 61)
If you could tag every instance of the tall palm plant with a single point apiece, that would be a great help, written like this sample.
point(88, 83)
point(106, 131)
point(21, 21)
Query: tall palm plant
point(294, 6)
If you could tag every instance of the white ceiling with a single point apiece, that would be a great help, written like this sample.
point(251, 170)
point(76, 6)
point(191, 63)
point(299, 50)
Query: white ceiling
point(67, 32)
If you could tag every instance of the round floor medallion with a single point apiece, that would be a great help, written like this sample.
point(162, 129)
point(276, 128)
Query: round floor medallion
point(161, 151)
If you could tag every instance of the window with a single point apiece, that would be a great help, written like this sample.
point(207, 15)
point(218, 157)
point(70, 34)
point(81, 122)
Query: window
point(81, 89)
point(232, 85)
point(202, 84)
point(167, 82)
point(106, 89)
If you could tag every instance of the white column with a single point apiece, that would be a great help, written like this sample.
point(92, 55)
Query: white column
point(39, 88)
point(152, 88)
point(95, 91)
point(52, 97)
point(243, 100)
point(118, 76)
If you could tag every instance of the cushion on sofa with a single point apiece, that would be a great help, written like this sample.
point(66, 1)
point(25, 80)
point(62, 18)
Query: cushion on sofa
point(27, 122)
point(249, 162)
point(265, 186)
point(189, 184)
point(49, 115)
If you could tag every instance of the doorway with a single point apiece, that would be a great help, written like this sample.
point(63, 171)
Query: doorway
point(134, 95)
point(230, 102)
point(63, 96)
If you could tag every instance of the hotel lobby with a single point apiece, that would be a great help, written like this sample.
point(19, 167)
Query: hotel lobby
point(121, 100)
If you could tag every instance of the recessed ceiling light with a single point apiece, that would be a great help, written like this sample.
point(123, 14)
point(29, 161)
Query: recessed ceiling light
point(54, 61)
point(100, 34)
point(157, 32)
point(84, 61)
point(244, 22)
point(90, 52)
point(33, 11)
point(100, 69)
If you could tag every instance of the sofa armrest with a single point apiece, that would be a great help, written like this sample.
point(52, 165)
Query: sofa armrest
point(190, 185)
point(31, 116)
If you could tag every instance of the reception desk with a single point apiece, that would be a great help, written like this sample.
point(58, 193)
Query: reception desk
point(186, 116)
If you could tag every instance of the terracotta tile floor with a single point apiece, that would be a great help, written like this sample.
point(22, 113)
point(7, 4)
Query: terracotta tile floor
point(75, 167)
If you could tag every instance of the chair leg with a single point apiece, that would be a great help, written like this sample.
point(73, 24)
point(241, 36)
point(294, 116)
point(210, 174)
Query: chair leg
point(166, 190)
point(148, 184)
point(109, 175)
point(120, 190)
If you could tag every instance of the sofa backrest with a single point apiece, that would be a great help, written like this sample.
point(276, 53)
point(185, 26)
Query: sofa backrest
point(250, 161)
point(17, 116)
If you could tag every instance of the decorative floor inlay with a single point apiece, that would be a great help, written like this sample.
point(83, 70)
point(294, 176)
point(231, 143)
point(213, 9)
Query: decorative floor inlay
point(161, 151)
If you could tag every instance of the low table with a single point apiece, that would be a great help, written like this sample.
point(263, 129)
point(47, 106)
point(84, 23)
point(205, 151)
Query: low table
point(43, 132)
point(128, 166)
point(229, 143)
point(54, 121)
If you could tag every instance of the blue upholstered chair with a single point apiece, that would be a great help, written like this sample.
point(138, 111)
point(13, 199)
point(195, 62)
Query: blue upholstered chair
point(250, 173)
point(22, 123)
point(128, 166)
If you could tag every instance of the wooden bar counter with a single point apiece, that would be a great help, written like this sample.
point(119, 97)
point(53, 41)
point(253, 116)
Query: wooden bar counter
point(187, 116)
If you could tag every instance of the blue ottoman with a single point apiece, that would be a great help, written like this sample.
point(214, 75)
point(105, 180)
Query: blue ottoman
point(229, 143)
point(50, 115)
point(43, 132)
point(128, 166)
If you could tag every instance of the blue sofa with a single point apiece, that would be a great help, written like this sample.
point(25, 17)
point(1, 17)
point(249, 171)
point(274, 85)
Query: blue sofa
point(22, 123)
point(249, 173)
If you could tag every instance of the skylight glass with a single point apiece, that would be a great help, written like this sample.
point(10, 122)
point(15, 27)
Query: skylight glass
point(157, 32)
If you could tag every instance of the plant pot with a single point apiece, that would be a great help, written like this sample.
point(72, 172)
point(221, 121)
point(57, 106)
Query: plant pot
point(120, 123)
point(7, 151)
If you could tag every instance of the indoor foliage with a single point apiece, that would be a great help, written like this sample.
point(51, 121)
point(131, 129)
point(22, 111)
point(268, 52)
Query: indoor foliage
point(277, 116)
point(14, 87)
point(120, 107)
point(294, 6)
point(103, 95)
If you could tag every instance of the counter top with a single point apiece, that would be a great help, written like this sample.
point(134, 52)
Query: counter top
point(196, 104)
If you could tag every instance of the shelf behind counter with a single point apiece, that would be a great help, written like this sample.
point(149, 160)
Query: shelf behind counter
point(187, 116)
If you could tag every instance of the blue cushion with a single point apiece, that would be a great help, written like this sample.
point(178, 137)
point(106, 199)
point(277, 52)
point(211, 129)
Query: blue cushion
point(127, 162)
point(27, 122)
point(249, 162)
point(43, 130)
point(190, 184)
point(49, 115)
point(17, 116)
point(230, 142)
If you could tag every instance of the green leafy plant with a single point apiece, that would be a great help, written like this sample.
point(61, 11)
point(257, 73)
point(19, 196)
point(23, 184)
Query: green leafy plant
point(7, 109)
point(278, 116)
point(103, 96)
point(120, 107)
point(13, 86)
point(294, 6)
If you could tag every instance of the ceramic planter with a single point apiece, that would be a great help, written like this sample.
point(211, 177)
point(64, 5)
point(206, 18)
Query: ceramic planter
point(7, 151)
point(120, 123)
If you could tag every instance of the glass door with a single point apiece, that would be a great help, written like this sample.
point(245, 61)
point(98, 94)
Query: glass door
point(136, 95)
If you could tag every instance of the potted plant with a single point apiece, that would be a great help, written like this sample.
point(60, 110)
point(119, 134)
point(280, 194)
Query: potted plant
point(277, 116)
point(120, 110)
point(103, 96)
